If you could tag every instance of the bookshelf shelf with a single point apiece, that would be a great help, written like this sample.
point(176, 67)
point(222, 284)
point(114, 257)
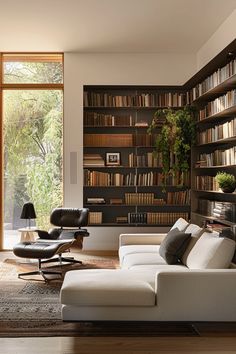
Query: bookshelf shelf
point(130, 107)
point(137, 205)
point(130, 225)
point(209, 217)
point(213, 167)
point(116, 119)
point(214, 192)
point(220, 141)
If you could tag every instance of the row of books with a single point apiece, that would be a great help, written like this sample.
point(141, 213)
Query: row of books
point(221, 131)
point(141, 218)
point(108, 140)
point(118, 140)
point(206, 183)
point(139, 198)
point(219, 210)
point(218, 158)
point(145, 160)
point(100, 99)
point(212, 81)
point(165, 218)
point(181, 198)
point(97, 178)
point(137, 218)
point(218, 105)
point(95, 217)
point(99, 119)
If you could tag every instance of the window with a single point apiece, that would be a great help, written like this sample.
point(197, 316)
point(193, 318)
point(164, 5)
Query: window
point(32, 98)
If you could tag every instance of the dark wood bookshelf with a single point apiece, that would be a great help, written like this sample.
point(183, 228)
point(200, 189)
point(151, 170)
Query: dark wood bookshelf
point(137, 113)
point(204, 199)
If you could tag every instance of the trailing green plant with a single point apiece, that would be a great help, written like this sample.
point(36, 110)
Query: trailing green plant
point(177, 135)
point(226, 181)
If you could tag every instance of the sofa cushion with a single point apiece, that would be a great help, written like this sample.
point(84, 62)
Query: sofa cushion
point(142, 258)
point(129, 249)
point(174, 245)
point(211, 252)
point(195, 231)
point(108, 287)
point(180, 224)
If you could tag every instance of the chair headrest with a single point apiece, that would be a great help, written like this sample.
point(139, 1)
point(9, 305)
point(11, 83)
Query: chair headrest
point(69, 217)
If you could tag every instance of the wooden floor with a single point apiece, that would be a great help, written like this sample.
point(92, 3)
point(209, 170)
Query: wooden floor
point(212, 341)
point(165, 345)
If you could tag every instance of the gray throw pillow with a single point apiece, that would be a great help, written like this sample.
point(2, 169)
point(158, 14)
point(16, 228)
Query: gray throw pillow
point(174, 245)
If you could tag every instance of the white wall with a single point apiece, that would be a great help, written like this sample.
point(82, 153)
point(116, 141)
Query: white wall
point(224, 35)
point(108, 69)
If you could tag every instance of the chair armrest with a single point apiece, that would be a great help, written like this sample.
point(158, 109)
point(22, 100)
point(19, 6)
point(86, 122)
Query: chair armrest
point(141, 239)
point(65, 241)
point(197, 294)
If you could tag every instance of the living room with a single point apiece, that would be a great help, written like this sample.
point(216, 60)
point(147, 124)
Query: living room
point(121, 46)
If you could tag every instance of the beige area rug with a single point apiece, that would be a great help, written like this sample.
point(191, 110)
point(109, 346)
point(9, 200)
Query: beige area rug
point(32, 308)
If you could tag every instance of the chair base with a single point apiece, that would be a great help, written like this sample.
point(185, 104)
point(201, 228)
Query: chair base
point(41, 272)
point(61, 259)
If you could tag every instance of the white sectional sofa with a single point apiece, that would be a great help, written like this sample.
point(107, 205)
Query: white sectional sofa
point(145, 288)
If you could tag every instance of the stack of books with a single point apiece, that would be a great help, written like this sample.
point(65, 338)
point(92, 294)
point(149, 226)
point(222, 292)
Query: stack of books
point(93, 160)
point(96, 201)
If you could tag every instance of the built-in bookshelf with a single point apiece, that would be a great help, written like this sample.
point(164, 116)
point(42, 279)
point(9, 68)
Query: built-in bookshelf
point(122, 176)
point(213, 92)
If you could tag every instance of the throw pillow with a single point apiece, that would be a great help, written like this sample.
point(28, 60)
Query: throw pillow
point(211, 252)
point(173, 246)
point(196, 232)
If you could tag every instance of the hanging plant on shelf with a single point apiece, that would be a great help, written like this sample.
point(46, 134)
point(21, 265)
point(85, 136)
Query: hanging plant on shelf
point(177, 135)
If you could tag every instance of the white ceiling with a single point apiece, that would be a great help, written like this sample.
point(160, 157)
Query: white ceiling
point(110, 25)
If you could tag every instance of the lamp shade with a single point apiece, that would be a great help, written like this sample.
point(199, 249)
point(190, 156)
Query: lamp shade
point(28, 211)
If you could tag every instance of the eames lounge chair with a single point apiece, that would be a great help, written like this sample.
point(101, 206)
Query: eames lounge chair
point(58, 240)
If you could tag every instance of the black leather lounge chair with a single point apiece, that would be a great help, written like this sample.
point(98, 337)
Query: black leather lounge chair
point(69, 231)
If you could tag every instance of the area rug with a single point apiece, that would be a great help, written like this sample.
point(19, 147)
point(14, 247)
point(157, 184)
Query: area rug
point(32, 309)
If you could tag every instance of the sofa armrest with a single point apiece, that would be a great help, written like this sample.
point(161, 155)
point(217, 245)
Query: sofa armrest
point(196, 294)
point(141, 239)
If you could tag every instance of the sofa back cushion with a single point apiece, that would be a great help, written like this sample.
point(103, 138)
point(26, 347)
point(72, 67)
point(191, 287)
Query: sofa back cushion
point(195, 231)
point(211, 252)
point(180, 224)
point(174, 245)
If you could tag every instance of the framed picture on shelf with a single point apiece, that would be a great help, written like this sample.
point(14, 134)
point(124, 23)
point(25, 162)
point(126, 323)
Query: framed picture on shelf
point(113, 159)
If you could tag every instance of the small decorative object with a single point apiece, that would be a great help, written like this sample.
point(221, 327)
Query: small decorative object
point(113, 158)
point(28, 212)
point(226, 181)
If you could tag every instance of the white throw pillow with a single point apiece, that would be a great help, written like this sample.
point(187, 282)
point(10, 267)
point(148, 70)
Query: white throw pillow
point(211, 252)
point(195, 231)
point(180, 224)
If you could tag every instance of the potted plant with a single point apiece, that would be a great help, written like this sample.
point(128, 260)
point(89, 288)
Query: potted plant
point(177, 135)
point(226, 181)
